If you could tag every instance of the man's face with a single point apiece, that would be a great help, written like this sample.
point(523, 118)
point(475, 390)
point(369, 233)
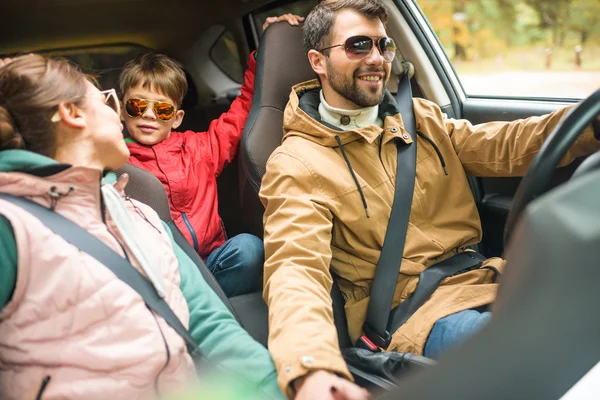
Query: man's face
point(352, 84)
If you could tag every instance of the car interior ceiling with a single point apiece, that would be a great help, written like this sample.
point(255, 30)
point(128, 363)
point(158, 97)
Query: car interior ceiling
point(94, 22)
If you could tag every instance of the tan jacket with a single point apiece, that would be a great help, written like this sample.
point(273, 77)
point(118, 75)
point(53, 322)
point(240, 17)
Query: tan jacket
point(315, 221)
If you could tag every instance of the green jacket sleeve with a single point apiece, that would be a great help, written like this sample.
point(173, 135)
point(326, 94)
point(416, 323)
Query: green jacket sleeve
point(221, 339)
point(8, 261)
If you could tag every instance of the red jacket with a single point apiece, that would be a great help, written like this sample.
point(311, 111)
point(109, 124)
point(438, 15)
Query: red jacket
point(188, 164)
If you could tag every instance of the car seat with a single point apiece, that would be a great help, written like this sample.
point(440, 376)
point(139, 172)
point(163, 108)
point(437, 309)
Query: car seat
point(281, 63)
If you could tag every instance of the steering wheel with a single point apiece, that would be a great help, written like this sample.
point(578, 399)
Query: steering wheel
point(537, 179)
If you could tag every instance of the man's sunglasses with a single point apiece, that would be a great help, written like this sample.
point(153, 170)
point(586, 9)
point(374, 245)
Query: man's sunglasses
point(358, 47)
point(137, 107)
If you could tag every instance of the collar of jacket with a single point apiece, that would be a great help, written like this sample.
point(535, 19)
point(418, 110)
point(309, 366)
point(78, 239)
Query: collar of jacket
point(352, 119)
point(39, 166)
point(301, 118)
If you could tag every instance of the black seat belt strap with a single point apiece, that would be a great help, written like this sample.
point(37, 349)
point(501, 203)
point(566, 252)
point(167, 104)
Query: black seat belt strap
point(88, 243)
point(429, 281)
point(388, 266)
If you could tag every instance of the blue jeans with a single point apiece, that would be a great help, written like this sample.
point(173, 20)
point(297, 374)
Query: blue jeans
point(238, 264)
point(453, 329)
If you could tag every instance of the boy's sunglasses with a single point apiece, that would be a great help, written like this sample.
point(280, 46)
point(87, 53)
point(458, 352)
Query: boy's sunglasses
point(358, 47)
point(137, 107)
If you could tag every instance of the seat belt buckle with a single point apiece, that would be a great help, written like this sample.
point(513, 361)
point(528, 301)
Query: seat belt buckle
point(365, 343)
point(378, 340)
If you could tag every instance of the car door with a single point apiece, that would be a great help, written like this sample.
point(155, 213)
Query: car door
point(498, 60)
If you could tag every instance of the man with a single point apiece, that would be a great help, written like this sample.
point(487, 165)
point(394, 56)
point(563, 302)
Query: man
point(328, 192)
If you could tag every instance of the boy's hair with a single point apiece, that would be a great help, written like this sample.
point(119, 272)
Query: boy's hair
point(316, 30)
point(155, 72)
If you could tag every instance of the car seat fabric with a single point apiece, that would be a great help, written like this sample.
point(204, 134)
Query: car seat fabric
point(281, 63)
point(145, 187)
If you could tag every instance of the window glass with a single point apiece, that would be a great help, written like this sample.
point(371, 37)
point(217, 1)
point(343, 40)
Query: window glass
point(520, 48)
point(301, 8)
point(105, 64)
point(225, 54)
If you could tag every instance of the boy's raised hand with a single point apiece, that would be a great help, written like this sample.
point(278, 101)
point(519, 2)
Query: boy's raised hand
point(293, 20)
point(5, 61)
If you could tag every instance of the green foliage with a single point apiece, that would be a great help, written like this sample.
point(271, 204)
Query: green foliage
point(472, 30)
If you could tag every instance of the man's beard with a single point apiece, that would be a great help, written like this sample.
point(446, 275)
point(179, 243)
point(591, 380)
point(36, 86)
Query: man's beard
point(349, 89)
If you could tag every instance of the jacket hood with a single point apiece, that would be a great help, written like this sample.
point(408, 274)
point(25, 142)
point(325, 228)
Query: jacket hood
point(20, 160)
point(301, 118)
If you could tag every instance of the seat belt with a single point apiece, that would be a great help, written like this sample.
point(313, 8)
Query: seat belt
point(429, 281)
point(88, 243)
point(381, 323)
point(388, 266)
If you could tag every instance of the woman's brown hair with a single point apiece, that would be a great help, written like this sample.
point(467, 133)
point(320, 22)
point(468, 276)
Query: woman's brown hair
point(31, 88)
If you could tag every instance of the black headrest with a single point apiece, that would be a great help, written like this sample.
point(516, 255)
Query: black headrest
point(281, 63)
point(146, 188)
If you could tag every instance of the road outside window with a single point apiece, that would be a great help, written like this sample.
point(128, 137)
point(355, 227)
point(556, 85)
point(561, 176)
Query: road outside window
point(520, 48)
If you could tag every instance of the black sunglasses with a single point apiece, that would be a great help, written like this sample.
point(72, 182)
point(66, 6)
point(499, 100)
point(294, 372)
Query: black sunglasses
point(358, 47)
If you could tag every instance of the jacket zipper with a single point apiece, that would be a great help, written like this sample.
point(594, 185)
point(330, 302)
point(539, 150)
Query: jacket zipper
point(223, 228)
point(381, 159)
point(42, 388)
point(191, 229)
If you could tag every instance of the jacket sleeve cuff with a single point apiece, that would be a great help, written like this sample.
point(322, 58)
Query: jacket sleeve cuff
point(290, 371)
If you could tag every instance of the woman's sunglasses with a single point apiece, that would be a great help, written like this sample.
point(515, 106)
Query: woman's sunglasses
point(112, 100)
point(358, 47)
point(109, 97)
point(137, 107)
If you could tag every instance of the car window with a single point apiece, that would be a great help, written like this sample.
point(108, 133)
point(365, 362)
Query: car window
point(102, 62)
point(105, 64)
point(520, 48)
point(225, 54)
point(301, 8)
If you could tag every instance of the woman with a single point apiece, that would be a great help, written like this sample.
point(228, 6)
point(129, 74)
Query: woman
point(69, 328)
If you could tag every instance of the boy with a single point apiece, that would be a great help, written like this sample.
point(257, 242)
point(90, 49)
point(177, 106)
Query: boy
point(188, 163)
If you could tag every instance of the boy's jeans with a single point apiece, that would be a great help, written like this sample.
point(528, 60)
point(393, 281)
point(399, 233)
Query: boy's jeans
point(453, 329)
point(238, 264)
